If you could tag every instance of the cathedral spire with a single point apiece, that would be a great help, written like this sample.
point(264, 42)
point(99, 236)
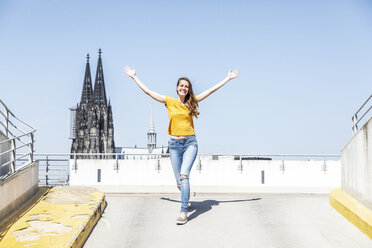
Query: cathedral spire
point(92, 122)
point(87, 93)
point(152, 128)
point(99, 85)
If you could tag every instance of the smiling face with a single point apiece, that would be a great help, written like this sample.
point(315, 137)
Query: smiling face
point(183, 87)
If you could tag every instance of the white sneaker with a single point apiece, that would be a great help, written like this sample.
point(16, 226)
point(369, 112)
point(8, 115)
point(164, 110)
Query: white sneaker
point(182, 219)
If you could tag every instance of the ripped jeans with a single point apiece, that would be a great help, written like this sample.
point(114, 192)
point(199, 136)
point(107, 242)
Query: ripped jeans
point(182, 155)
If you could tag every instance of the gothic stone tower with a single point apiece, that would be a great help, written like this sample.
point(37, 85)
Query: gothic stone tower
point(93, 125)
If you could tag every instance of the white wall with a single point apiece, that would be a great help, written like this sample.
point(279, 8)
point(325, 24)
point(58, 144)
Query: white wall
point(215, 176)
point(356, 160)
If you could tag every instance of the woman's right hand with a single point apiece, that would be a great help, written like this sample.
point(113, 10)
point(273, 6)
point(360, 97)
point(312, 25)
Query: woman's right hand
point(130, 72)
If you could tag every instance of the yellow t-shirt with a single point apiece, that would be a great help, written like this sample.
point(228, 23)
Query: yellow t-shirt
point(180, 120)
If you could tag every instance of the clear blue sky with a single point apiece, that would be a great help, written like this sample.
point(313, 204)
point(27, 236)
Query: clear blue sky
point(306, 67)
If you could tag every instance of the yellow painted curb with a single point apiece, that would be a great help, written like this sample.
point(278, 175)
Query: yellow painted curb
point(63, 218)
point(352, 210)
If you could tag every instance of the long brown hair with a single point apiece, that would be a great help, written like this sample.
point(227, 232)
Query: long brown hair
point(190, 99)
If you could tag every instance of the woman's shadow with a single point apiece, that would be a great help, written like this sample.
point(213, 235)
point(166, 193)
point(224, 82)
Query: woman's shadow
point(205, 206)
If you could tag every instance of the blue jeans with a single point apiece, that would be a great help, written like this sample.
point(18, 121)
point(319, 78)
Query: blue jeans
point(182, 155)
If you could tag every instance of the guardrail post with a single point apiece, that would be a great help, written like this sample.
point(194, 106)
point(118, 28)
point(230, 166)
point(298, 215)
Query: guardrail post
point(13, 148)
point(7, 122)
point(75, 163)
point(282, 167)
point(324, 167)
point(31, 146)
point(199, 167)
point(240, 167)
point(355, 125)
point(116, 163)
point(46, 169)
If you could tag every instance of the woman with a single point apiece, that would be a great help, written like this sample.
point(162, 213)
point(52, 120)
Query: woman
point(183, 146)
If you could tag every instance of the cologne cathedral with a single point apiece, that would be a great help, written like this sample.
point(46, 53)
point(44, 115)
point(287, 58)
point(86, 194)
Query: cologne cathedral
point(92, 124)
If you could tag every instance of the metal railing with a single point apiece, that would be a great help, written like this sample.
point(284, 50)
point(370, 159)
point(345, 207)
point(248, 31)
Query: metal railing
point(355, 120)
point(54, 168)
point(16, 143)
point(286, 157)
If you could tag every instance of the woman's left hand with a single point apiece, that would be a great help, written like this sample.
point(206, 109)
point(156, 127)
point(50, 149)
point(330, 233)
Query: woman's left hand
point(232, 74)
point(130, 72)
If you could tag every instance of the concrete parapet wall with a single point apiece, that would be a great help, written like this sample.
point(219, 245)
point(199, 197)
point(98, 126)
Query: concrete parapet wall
point(356, 160)
point(5, 157)
point(209, 176)
point(18, 187)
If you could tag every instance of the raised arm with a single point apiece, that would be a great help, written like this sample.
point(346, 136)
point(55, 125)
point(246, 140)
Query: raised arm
point(230, 75)
point(132, 73)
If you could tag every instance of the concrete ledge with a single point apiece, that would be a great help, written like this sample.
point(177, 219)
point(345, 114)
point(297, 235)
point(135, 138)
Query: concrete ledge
point(352, 210)
point(63, 218)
